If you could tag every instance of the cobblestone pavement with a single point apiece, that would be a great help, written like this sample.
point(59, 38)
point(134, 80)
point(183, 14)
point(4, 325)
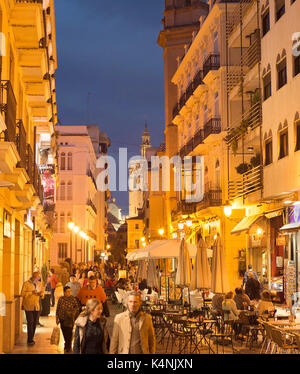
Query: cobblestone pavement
point(43, 334)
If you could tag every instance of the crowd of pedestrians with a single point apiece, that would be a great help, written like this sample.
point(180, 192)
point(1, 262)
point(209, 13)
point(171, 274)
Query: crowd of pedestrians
point(84, 307)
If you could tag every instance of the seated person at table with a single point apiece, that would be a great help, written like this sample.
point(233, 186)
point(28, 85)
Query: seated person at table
point(216, 303)
point(241, 300)
point(265, 305)
point(229, 308)
point(143, 286)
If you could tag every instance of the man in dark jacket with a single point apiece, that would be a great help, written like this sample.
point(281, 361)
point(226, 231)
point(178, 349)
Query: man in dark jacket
point(252, 287)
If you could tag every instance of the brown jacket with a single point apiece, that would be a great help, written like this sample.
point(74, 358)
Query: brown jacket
point(120, 341)
point(31, 301)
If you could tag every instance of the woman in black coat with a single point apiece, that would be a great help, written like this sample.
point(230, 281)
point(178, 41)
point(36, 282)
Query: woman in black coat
point(91, 335)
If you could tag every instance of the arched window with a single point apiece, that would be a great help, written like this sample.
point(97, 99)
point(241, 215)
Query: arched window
point(70, 161)
point(69, 217)
point(62, 223)
point(62, 161)
point(69, 191)
point(62, 191)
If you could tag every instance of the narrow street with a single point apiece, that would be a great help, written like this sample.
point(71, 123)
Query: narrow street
point(43, 334)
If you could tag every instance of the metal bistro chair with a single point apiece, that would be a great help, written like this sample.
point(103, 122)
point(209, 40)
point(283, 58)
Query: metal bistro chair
point(223, 334)
point(268, 340)
point(159, 325)
point(281, 342)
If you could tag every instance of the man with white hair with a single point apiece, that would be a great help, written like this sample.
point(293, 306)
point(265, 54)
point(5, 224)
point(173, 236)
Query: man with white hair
point(133, 331)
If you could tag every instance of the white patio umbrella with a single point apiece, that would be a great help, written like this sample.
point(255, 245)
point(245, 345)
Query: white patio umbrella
point(219, 279)
point(141, 270)
point(184, 267)
point(159, 249)
point(152, 276)
point(201, 274)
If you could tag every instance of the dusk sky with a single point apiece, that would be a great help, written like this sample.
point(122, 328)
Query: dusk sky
point(109, 49)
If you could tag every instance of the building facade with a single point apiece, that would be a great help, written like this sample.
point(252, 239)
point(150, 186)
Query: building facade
point(28, 152)
point(78, 199)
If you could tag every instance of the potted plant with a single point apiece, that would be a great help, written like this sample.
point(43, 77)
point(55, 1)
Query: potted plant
point(255, 161)
point(242, 168)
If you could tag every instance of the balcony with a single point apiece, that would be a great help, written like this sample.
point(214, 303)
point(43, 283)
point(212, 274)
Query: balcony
point(212, 62)
point(192, 143)
point(91, 175)
point(198, 80)
point(8, 107)
point(252, 119)
point(213, 126)
point(252, 55)
point(249, 182)
point(212, 197)
point(21, 144)
point(91, 204)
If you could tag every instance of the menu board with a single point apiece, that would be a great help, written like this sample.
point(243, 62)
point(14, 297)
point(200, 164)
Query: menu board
point(289, 281)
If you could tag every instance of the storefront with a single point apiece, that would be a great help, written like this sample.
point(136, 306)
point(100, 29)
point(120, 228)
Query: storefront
point(291, 231)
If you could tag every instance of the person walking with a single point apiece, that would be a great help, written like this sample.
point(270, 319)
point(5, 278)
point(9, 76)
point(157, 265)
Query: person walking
point(31, 304)
point(83, 280)
point(53, 283)
point(91, 335)
point(74, 285)
point(133, 331)
point(93, 291)
point(246, 275)
point(67, 311)
point(252, 287)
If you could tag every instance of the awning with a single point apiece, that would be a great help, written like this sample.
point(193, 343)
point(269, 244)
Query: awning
point(245, 224)
point(290, 227)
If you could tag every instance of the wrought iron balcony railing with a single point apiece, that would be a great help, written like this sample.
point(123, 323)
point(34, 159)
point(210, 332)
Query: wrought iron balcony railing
point(198, 79)
point(212, 62)
point(30, 1)
point(212, 126)
point(21, 144)
point(8, 107)
point(249, 182)
point(91, 204)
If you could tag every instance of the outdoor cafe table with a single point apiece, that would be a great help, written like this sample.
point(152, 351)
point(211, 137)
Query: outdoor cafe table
point(202, 327)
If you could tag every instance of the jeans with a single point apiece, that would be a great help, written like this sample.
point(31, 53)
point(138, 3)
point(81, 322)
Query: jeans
point(32, 319)
point(52, 296)
point(67, 333)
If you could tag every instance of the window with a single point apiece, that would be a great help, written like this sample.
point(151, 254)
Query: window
point(62, 223)
point(297, 130)
point(147, 204)
point(69, 161)
point(63, 161)
point(265, 22)
point(69, 191)
point(62, 250)
point(296, 65)
point(283, 144)
point(267, 86)
point(147, 223)
point(137, 226)
point(268, 152)
point(137, 244)
point(279, 9)
point(281, 74)
point(62, 191)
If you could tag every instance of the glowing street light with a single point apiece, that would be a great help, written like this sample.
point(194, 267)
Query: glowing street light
point(108, 246)
point(71, 225)
point(76, 229)
point(143, 239)
point(227, 209)
point(180, 225)
point(161, 232)
point(189, 222)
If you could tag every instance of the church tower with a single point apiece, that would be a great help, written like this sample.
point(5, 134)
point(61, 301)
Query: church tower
point(145, 141)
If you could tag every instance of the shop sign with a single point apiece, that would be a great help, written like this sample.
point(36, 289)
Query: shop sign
point(6, 224)
point(279, 261)
point(49, 183)
point(280, 240)
point(256, 240)
point(289, 281)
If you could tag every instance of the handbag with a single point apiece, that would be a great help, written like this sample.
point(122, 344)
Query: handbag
point(55, 336)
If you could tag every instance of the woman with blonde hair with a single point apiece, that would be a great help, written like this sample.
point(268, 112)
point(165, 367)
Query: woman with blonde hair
point(91, 335)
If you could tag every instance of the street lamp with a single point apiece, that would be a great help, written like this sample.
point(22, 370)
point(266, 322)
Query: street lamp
point(180, 225)
point(227, 209)
point(161, 232)
point(189, 222)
